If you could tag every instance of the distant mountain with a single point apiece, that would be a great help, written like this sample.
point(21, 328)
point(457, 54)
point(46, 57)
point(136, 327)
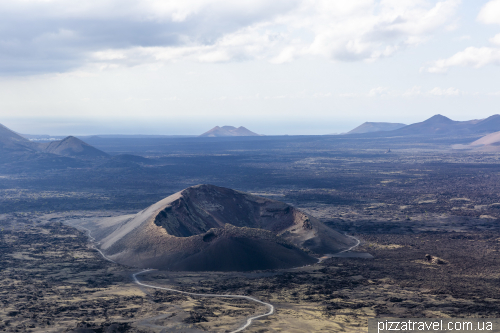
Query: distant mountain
point(13, 142)
point(370, 127)
point(440, 125)
point(228, 131)
point(18, 154)
point(72, 147)
point(488, 125)
point(437, 124)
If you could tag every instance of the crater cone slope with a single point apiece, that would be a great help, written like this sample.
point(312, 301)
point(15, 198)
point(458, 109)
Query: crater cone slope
point(73, 147)
point(206, 227)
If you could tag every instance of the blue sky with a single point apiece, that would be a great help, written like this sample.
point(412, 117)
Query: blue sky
point(275, 67)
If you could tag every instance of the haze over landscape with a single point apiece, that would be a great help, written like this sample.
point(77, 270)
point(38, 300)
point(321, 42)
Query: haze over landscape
point(248, 166)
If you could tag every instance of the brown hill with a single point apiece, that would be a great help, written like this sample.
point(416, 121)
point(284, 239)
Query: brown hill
point(206, 227)
point(490, 143)
point(228, 131)
point(72, 147)
point(489, 139)
point(370, 127)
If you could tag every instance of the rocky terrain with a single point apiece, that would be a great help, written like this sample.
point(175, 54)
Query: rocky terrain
point(427, 215)
point(51, 281)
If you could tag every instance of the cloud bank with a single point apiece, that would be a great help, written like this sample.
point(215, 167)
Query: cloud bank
point(475, 57)
point(46, 36)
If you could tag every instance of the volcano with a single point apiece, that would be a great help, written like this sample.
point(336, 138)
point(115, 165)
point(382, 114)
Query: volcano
point(211, 228)
point(218, 131)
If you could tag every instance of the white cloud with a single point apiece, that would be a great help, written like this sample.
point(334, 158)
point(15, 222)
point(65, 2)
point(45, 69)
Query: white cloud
point(367, 30)
point(379, 92)
point(143, 31)
point(445, 92)
point(490, 13)
point(415, 91)
point(343, 31)
point(471, 56)
point(476, 57)
point(349, 95)
point(464, 37)
point(495, 40)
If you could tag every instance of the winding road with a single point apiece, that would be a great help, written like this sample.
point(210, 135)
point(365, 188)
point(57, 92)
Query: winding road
point(352, 247)
point(241, 328)
point(92, 244)
point(249, 320)
point(326, 256)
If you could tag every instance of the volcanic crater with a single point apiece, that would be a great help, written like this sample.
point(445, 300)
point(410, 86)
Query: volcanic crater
point(211, 228)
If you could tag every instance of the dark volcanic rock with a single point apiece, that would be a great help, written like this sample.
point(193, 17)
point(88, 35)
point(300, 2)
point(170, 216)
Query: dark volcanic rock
point(206, 227)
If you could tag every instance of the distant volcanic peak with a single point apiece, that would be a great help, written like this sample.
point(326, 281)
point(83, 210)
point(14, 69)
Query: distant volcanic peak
point(6, 132)
point(218, 131)
point(488, 125)
point(369, 127)
point(492, 117)
point(439, 119)
point(71, 140)
point(71, 146)
point(13, 142)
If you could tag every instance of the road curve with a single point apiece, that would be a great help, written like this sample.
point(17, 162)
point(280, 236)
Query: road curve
point(136, 280)
point(326, 256)
point(92, 244)
point(352, 247)
point(249, 320)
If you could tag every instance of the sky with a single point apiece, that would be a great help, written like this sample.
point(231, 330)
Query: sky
point(297, 67)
